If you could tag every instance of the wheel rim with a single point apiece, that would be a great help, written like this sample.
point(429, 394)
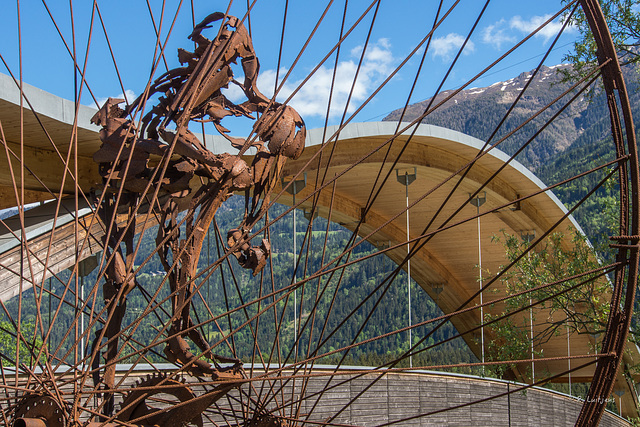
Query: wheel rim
point(257, 397)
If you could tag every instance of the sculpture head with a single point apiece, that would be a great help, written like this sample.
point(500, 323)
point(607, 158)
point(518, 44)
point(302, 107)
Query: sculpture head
point(284, 132)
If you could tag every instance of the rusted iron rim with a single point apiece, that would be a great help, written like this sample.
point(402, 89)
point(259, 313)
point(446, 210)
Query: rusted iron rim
point(627, 244)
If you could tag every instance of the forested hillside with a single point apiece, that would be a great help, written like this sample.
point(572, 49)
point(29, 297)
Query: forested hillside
point(332, 325)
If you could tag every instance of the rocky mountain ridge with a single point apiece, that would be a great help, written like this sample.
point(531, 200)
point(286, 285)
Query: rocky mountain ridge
point(478, 111)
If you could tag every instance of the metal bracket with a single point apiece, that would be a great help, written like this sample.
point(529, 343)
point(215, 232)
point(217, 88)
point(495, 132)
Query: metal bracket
point(310, 213)
point(478, 201)
point(296, 186)
point(406, 178)
point(528, 236)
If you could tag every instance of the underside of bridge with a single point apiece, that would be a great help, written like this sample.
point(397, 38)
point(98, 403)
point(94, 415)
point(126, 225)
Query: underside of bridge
point(340, 179)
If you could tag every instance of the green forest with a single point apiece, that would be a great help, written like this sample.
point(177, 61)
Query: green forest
point(329, 316)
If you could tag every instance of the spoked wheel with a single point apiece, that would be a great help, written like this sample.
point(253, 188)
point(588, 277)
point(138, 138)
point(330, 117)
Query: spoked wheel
point(212, 303)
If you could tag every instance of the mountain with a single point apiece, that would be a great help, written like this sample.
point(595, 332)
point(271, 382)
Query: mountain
point(478, 111)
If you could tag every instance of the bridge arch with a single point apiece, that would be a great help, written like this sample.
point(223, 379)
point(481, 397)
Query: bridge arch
point(448, 261)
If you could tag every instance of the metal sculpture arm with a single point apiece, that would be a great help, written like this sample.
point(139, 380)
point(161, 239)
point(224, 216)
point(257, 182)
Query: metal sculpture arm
point(162, 153)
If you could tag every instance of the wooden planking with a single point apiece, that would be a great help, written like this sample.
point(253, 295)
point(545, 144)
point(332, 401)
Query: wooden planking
point(62, 255)
point(400, 398)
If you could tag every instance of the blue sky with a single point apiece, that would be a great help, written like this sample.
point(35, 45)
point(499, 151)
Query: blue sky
point(399, 27)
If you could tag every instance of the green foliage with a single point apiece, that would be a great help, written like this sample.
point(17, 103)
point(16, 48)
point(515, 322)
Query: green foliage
point(581, 300)
point(29, 343)
point(510, 340)
point(553, 275)
point(623, 19)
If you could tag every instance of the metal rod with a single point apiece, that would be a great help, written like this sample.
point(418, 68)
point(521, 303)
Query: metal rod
point(480, 280)
point(406, 180)
point(477, 202)
point(82, 273)
point(509, 403)
point(295, 291)
point(569, 355)
point(406, 183)
point(528, 237)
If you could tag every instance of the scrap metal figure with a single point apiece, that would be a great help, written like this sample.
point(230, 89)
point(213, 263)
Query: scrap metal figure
point(160, 154)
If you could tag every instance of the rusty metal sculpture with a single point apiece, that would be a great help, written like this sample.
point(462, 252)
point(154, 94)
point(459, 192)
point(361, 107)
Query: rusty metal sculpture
point(152, 168)
point(173, 163)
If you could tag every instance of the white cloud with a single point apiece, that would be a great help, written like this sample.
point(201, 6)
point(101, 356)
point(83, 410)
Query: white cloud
point(233, 92)
point(130, 97)
point(378, 52)
point(445, 46)
point(505, 32)
point(527, 26)
point(313, 97)
point(496, 34)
